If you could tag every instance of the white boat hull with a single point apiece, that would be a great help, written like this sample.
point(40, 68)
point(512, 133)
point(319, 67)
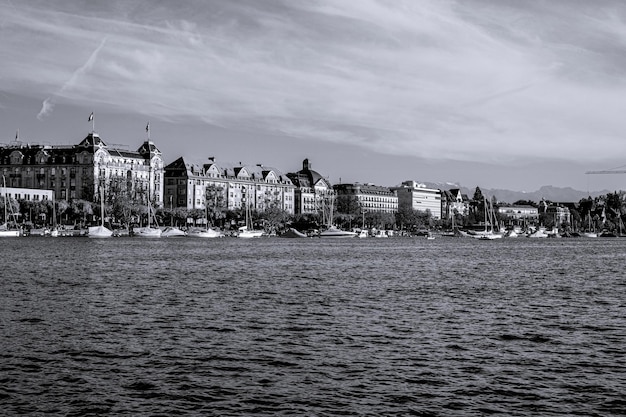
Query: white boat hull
point(487, 236)
point(147, 232)
point(9, 233)
point(204, 233)
point(248, 234)
point(337, 233)
point(99, 232)
point(173, 232)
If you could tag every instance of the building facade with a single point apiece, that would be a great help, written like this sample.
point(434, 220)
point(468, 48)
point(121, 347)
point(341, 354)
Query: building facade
point(311, 192)
point(27, 194)
point(558, 212)
point(418, 197)
point(85, 171)
point(189, 185)
point(519, 214)
point(369, 198)
point(453, 202)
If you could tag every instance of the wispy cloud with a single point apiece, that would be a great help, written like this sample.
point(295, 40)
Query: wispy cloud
point(478, 81)
point(48, 103)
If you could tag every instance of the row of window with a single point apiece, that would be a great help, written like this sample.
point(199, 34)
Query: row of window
point(28, 197)
point(42, 171)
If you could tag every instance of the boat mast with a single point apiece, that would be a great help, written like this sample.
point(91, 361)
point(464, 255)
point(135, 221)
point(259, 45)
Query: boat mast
point(485, 201)
point(148, 202)
point(4, 188)
point(102, 206)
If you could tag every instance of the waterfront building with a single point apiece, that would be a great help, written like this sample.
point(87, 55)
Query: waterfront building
point(559, 212)
point(311, 190)
point(454, 201)
point(189, 185)
point(28, 194)
point(418, 197)
point(78, 171)
point(369, 198)
point(519, 215)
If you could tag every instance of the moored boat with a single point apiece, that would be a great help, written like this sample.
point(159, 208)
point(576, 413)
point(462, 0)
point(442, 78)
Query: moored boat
point(173, 232)
point(99, 232)
point(489, 233)
point(246, 233)
point(292, 233)
point(539, 233)
point(204, 233)
point(333, 232)
point(5, 230)
point(148, 232)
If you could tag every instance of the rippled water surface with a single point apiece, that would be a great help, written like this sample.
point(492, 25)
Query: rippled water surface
point(461, 327)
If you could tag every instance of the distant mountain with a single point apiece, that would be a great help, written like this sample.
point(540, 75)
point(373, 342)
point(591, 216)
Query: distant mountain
point(547, 192)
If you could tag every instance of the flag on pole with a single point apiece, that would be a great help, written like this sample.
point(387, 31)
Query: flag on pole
point(148, 127)
point(90, 117)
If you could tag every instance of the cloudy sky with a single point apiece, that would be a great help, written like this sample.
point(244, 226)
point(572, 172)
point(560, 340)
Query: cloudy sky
point(495, 93)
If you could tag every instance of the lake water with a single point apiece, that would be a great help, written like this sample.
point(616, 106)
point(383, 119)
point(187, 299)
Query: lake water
point(400, 326)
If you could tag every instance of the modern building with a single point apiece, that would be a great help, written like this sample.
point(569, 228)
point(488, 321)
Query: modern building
point(79, 171)
point(369, 198)
point(311, 190)
point(189, 185)
point(418, 197)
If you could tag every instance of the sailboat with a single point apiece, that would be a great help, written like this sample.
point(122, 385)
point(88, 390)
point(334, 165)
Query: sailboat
point(100, 232)
point(172, 231)
point(454, 230)
point(332, 231)
point(247, 232)
point(363, 233)
point(148, 231)
point(5, 231)
point(55, 229)
point(591, 232)
point(207, 232)
point(489, 233)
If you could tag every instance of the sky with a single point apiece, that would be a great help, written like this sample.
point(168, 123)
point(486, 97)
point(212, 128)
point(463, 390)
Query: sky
point(491, 93)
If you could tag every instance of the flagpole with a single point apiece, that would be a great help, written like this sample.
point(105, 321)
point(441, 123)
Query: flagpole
point(148, 130)
point(92, 119)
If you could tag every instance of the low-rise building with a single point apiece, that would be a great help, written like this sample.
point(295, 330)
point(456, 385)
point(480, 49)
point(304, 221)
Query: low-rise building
point(28, 194)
